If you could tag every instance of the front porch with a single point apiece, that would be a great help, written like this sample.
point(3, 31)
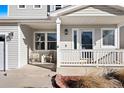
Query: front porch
point(96, 45)
point(74, 52)
point(93, 39)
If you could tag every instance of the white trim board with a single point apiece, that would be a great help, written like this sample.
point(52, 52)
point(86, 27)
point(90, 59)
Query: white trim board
point(19, 31)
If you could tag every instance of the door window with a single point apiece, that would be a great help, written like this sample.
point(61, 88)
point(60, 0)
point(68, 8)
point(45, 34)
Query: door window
point(86, 40)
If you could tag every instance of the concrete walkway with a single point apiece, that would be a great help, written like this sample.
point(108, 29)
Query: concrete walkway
point(27, 77)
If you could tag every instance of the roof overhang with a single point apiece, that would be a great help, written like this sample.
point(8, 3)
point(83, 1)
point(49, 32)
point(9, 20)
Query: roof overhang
point(66, 10)
point(77, 21)
point(73, 8)
point(92, 20)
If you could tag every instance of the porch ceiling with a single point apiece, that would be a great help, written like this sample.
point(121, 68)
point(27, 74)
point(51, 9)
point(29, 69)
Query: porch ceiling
point(42, 25)
point(92, 20)
point(77, 20)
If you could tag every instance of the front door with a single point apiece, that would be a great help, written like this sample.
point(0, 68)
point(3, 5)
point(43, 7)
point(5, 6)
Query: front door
point(86, 40)
point(87, 43)
point(2, 51)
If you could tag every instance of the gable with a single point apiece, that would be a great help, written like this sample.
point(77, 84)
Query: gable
point(96, 11)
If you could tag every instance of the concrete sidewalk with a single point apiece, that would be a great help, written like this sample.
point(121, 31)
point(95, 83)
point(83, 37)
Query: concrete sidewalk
point(27, 77)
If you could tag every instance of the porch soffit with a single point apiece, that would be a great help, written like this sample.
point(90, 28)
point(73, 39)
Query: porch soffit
point(92, 20)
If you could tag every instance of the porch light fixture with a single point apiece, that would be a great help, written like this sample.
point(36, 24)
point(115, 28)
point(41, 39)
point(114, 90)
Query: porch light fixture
point(10, 36)
point(66, 31)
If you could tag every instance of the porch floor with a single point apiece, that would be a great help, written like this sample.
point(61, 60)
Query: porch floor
point(29, 76)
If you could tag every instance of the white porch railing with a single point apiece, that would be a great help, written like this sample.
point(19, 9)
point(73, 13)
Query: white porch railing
point(92, 57)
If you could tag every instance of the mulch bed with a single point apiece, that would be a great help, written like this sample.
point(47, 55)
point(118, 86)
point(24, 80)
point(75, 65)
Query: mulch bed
point(109, 80)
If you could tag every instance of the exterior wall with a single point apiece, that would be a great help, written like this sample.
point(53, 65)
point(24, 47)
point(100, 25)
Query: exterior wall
point(25, 44)
point(66, 40)
point(28, 12)
point(12, 46)
point(122, 37)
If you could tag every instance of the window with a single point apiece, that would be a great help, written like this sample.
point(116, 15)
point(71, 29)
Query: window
point(2, 38)
point(21, 6)
point(86, 40)
point(75, 39)
point(37, 6)
point(48, 8)
point(3, 10)
point(51, 41)
point(58, 7)
point(45, 41)
point(108, 37)
point(39, 41)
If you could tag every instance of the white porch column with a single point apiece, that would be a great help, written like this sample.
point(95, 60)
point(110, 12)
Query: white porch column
point(118, 37)
point(58, 24)
point(118, 34)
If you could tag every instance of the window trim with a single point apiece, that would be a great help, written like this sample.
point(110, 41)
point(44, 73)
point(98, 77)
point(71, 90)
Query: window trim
point(44, 41)
point(108, 46)
point(37, 8)
point(22, 8)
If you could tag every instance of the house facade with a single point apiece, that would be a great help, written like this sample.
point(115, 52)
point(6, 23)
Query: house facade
point(68, 35)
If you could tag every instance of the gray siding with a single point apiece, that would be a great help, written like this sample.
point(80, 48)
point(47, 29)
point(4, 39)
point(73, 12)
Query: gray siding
point(12, 45)
point(66, 40)
point(28, 12)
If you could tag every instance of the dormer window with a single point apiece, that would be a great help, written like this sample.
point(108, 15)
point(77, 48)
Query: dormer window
point(37, 6)
point(58, 7)
point(22, 6)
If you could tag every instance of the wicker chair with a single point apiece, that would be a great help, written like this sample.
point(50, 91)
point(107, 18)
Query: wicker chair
point(34, 57)
point(49, 58)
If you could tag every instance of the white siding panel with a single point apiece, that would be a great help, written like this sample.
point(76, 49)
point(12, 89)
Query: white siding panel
point(26, 44)
point(12, 45)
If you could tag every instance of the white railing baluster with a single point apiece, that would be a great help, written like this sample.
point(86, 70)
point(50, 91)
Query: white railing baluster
point(123, 57)
point(111, 58)
point(92, 57)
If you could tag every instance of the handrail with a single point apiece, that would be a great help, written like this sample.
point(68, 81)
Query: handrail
point(92, 57)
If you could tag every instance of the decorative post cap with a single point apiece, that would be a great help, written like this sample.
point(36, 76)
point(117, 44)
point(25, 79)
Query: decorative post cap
point(58, 21)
